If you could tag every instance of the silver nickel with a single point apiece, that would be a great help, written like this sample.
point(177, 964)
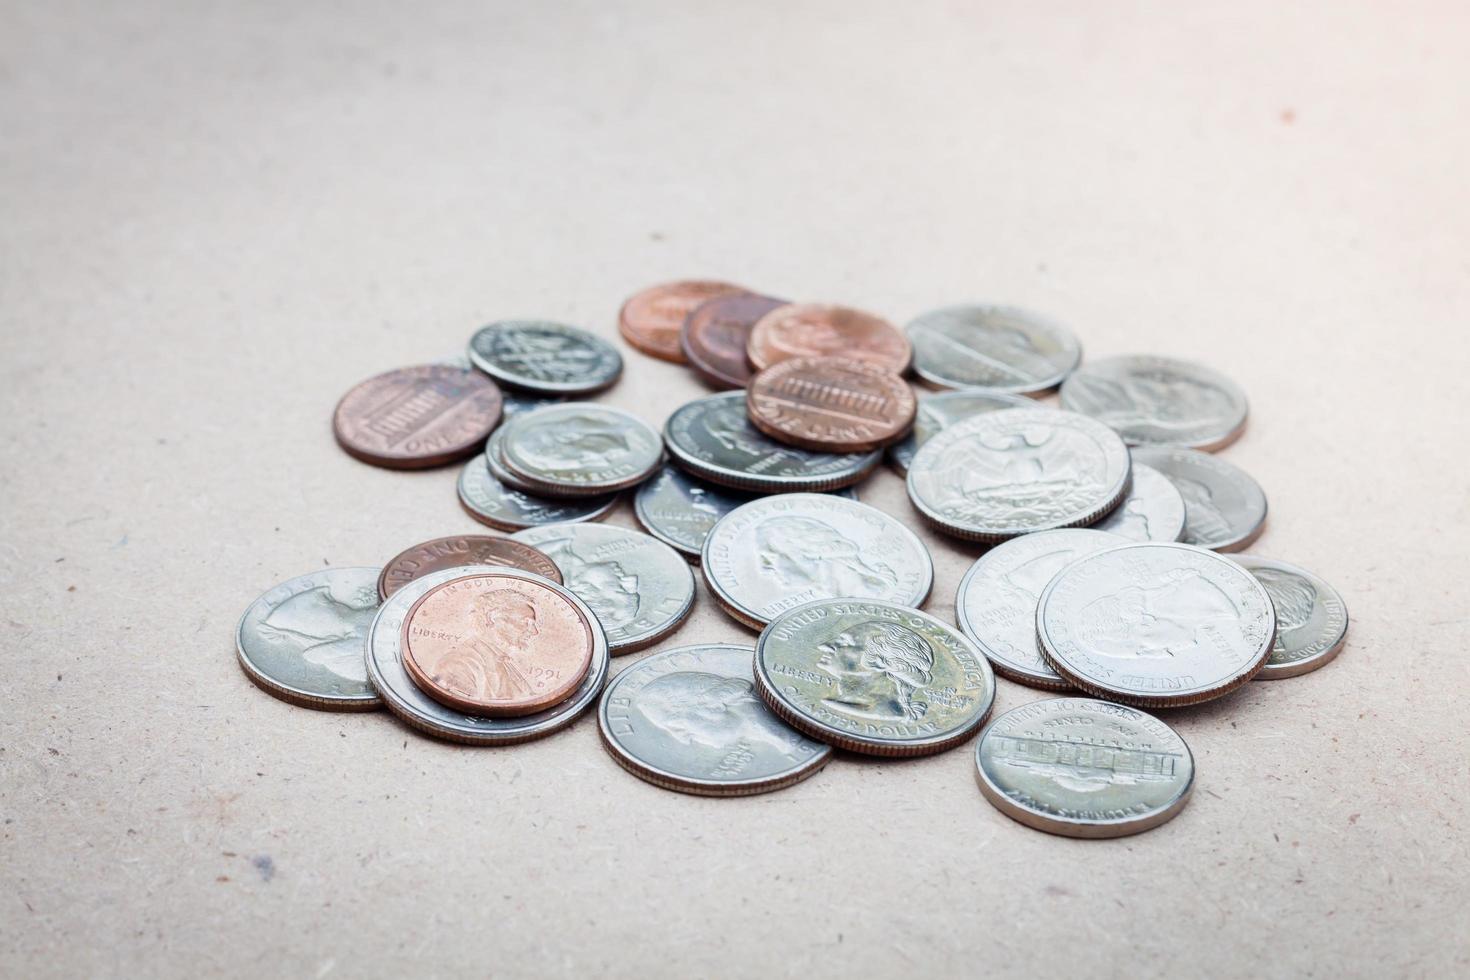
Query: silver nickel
point(713, 439)
point(874, 677)
point(779, 552)
point(997, 598)
point(580, 448)
point(417, 709)
point(1311, 618)
point(937, 411)
point(1084, 768)
point(1225, 508)
point(639, 588)
point(303, 640)
point(1156, 624)
point(688, 719)
point(998, 348)
point(491, 502)
point(1153, 510)
point(546, 357)
point(1159, 401)
point(1011, 472)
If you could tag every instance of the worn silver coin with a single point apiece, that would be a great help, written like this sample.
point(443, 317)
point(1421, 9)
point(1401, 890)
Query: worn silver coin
point(639, 588)
point(579, 449)
point(875, 677)
point(1156, 624)
point(937, 411)
point(713, 439)
point(998, 348)
point(1155, 401)
point(1224, 507)
point(1011, 472)
point(491, 502)
point(1311, 618)
point(1153, 510)
point(498, 469)
point(546, 357)
point(1084, 768)
point(778, 552)
point(688, 719)
point(996, 602)
point(404, 698)
point(302, 641)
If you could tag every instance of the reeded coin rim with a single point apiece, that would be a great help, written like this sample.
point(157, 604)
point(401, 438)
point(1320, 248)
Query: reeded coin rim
point(1065, 337)
point(1307, 664)
point(549, 487)
point(1215, 442)
point(510, 379)
point(679, 782)
point(501, 524)
point(1228, 545)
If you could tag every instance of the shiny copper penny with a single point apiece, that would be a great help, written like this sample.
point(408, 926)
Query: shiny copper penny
point(815, 330)
point(716, 334)
point(416, 417)
point(651, 320)
point(462, 549)
point(831, 404)
point(497, 646)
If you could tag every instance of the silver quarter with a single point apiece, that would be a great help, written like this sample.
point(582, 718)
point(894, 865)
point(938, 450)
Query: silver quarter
point(713, 439)
point(1224, 507)
point(579, 448)
point(779, 552)
point(1006, 473)
point(638, 587)
point(541, 356)
point(937, 411)
point(1311, 618)
point(998, 348)
point(1153, 510)
point(302, 641)
point(413, 706)
point(996, 602)
point(1156, 624)
point(1155, 401)
point(688, 719)
point(1084, 768)
point(874, 677)
point(491, 502)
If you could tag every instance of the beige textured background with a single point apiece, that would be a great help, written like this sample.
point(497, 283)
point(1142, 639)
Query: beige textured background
point(215, 217)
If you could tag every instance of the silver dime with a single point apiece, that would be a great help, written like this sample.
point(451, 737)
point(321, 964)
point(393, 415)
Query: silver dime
point(1011, 472)
point(1311, 618)
point(639, 587)
point(873, 677)
point(1084, 768)
point(579, 448)
point(491, 502)
point(302, 641)
point(1225, 508)
point(404, 699)
point(1156, 624)
point(776, 553)
point(713, 439)
point(688, 719)
point(541, 356)
point(498, 469)
point(1153, 510)
point(998, 348)
point(1159, 401)
point(996, 602)
point(937, 411)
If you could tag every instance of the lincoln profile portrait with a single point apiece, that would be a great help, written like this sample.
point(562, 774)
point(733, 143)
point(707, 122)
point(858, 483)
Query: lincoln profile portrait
point(488, 666)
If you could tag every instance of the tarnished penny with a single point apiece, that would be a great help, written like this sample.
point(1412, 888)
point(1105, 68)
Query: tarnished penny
point(716, 334)
point(817, 330)
point(831, 404)
point(462, 549)
point(417, 417)
point(497, 645)
point(652, 319)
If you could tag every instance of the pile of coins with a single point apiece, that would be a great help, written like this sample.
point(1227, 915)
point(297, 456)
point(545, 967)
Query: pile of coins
point(1103, 524)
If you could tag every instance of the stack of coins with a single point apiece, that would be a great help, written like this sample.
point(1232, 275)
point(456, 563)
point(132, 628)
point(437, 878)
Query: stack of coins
point(1103, 526)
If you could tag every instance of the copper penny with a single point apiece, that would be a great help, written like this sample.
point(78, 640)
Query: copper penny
point(651, 320)
point(716, 334)
point(497, 646)
point(815, 330)
point(416, 417)
point(462, 549)
point(831, 404)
